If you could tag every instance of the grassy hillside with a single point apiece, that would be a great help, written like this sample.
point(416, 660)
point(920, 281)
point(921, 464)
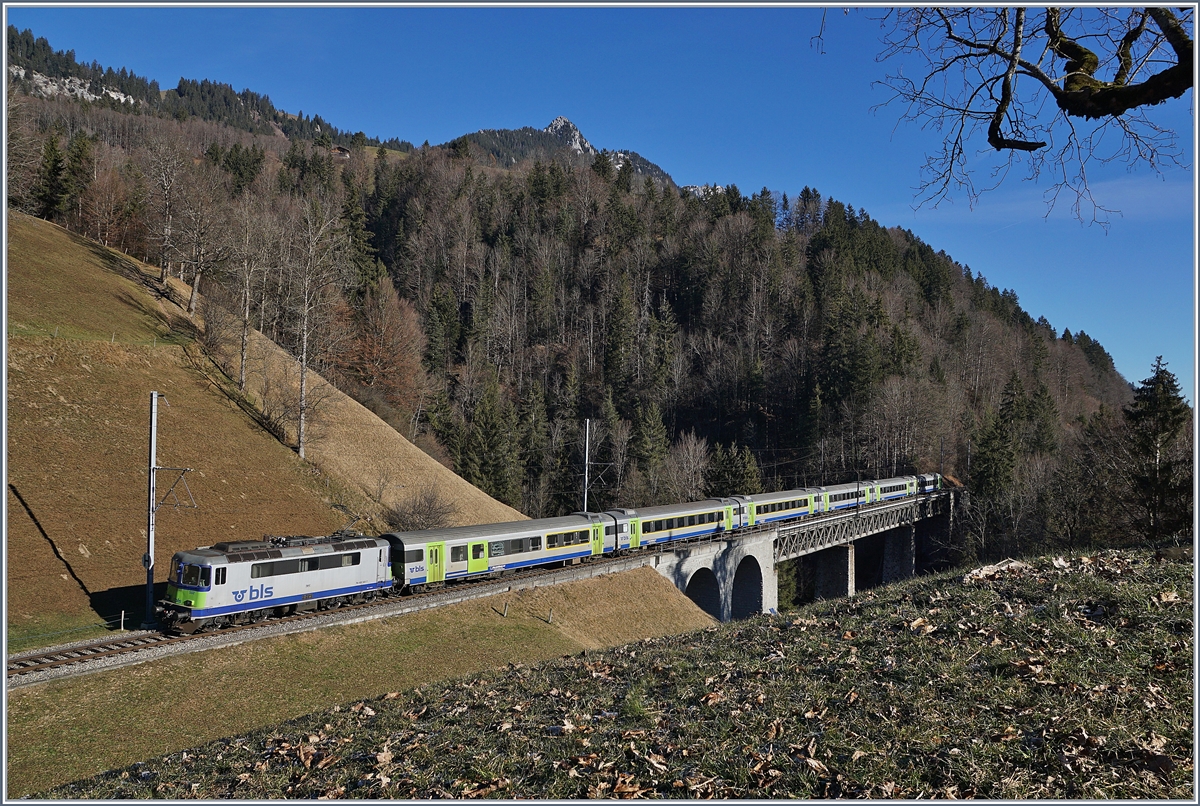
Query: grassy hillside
point(78, 420)
point(1060, 679)
point(62, 731)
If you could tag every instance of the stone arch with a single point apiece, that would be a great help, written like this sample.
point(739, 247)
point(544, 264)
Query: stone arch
point(747, 599)
point(705, 591)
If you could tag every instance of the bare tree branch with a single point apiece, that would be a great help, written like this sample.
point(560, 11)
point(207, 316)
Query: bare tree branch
point(1116, 66)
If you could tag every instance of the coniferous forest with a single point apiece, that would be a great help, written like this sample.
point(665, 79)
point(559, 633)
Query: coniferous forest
point(715, 342)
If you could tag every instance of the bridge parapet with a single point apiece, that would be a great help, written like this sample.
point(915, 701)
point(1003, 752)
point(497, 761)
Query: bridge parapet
point(797, 540)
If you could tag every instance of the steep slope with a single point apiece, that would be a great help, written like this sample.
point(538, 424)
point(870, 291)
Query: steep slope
point(78, 419)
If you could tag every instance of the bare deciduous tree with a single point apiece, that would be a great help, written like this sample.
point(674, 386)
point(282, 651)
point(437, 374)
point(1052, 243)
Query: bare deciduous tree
point(165, 160)
point(201, 246)
point(1059, 87)
point(686, 465)
point(250, 247)
point(319, 270)
point(425, 508)
point(22, 155)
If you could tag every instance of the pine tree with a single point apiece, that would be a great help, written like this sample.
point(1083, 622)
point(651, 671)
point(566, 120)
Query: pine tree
point(1161, 476)
point(51, 191)
point(77, 174)
point(361, 254)
point(1043, 417)
point(619, 345)
point(650, 441)
point(992, 470)
point(491, 457)
point(536, 457)
point(602, 165)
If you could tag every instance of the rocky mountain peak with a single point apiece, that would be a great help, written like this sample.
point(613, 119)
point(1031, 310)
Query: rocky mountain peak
point(565, 131)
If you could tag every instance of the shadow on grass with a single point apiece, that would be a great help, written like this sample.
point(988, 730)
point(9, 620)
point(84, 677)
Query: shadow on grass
point(106, 604)
point(130, 599)
point(179, 326)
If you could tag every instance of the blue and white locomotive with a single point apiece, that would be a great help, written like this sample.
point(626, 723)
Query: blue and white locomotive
point(234, 583)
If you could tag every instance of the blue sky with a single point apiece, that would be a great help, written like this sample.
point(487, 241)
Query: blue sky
point(720, 96)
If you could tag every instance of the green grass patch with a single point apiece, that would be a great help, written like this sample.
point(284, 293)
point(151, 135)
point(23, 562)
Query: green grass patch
point(1045, 682)
point(52, 629)
point(65, 730)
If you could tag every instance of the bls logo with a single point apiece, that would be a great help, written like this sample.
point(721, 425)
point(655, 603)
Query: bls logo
point(261, 592)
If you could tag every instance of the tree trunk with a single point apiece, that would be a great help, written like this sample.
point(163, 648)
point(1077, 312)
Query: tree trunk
point(194, 295)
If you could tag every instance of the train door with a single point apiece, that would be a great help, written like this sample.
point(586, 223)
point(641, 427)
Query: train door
point(635, 532)
point(477, 559)
point(751, 513)
point(435, 562)
point(598, 538)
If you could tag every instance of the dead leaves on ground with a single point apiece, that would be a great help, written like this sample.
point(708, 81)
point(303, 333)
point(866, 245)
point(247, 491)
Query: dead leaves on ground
point(1023, 682)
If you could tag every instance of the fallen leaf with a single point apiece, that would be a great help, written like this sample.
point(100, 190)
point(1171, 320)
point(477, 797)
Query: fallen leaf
point(482, 790)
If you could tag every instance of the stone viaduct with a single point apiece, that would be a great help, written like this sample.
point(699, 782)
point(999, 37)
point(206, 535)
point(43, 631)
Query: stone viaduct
point(734, 577)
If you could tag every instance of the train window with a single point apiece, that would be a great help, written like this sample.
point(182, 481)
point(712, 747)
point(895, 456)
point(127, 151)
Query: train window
point(610, 530)
point(496, 549)
point(414, 556)
point(221, 575)
point(691, 520)
point(458, 554)
point(351, 559)
point(477, 551)
point(535, 544)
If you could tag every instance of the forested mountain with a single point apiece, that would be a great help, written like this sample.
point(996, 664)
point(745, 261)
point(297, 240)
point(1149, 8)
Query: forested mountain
point(29, 58)
point(560, 141)
point(719, 343)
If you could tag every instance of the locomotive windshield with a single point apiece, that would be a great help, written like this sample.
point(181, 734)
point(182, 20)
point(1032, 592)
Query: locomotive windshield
point(196, 576)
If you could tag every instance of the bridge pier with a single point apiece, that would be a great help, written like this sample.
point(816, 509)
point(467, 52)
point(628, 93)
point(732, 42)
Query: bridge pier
point(728, 579)
point(899, 554)
point(835, 572)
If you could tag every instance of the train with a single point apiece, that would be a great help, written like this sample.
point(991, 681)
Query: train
point(242, 582)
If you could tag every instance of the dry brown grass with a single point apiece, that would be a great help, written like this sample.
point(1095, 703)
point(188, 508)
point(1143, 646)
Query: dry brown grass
point(350, 443)
point(78, 420)
point(58, 734)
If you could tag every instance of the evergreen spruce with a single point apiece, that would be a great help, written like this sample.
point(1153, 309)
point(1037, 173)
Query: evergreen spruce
point(1161, 476)
point(51, 191)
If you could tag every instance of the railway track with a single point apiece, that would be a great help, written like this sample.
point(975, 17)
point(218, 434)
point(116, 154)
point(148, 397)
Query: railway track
point(29, 663)
point(41, 661)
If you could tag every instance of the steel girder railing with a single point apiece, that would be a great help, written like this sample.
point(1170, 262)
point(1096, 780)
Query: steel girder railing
point(796, 540)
